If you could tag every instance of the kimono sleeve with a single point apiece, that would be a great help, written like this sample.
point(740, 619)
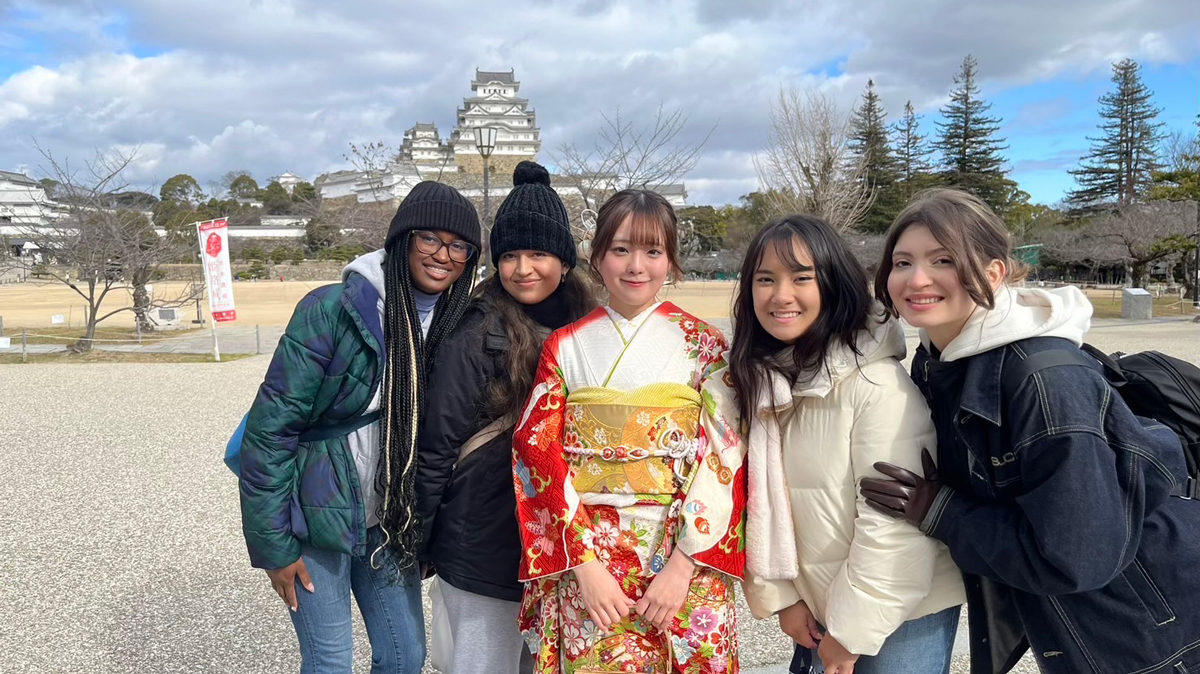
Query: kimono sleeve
point(712, 519)
point(551, 518)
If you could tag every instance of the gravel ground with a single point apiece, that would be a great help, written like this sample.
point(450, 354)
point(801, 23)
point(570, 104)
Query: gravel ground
point(120, 544)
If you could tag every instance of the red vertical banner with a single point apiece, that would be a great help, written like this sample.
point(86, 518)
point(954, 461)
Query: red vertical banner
point(214, 255)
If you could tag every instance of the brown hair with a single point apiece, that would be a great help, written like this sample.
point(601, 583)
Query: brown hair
point(967, 228)
point(653, 224)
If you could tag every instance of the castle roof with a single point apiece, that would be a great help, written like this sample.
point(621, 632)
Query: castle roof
point(18, 178)
point(494, 98)
point(494, 76)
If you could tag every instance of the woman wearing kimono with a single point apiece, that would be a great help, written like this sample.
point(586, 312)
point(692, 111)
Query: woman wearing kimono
point(630, 489)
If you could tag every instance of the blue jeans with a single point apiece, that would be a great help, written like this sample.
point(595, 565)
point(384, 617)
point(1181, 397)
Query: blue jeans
point(921, 646)
point(391, 611)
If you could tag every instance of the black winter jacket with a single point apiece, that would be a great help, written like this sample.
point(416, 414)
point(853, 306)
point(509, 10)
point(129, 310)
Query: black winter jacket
point(469, 510)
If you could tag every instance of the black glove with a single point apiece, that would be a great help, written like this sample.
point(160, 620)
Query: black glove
point(907, 495)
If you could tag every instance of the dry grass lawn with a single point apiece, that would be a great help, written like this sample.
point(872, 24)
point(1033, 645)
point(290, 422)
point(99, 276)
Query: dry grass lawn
point(99, 356)
point(270, 303)
point(29, 305)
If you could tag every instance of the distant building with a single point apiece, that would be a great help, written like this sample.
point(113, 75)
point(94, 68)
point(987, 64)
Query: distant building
point(287, 180)
point(674, 193)
point(423, 146)
point(24, 204)
point(337, 184)
point(423, 155)
point(496, 104)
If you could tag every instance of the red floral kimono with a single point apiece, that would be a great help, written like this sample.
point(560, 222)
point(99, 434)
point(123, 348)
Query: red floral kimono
point(620, 457)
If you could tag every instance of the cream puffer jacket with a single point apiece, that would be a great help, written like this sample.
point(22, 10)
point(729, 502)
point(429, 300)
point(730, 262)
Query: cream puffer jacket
point(861, 573)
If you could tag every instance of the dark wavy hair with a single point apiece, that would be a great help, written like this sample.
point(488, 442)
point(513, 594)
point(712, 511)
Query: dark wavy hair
point(510, 392)
point(845, 307)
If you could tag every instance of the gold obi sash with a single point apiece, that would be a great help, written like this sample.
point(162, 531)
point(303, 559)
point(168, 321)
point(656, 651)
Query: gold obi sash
point(631, 446)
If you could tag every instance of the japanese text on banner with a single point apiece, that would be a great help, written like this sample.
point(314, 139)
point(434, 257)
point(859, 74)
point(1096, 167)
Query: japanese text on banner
point(214, 252)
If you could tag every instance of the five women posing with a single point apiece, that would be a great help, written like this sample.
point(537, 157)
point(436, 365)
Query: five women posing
point(652, 465)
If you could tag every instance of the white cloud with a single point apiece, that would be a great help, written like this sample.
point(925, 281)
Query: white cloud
point(280, 85)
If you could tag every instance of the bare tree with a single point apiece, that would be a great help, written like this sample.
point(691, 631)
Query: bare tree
point(96, 246)
point(364, 222)
point(808, 166)
point(1180, 151)
point(1136, 237)
point(628, 153)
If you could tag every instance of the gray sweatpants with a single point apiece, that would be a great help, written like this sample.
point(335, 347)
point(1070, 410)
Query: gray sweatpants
point(486, 638)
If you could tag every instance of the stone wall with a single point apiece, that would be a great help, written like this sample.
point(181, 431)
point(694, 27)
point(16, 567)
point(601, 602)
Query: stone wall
point(502, 165)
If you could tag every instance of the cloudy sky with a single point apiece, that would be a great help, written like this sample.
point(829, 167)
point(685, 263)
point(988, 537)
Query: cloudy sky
point(285, 85)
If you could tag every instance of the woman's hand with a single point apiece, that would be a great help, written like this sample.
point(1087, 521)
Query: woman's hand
point(602, 595)
point(835, 657)
point(667, 592)
point(798, 622)
point(284, 582)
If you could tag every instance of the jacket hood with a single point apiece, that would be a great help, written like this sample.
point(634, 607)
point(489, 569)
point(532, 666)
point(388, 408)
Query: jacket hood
point(876, 342)
point(1021, 313)
point(370, 267)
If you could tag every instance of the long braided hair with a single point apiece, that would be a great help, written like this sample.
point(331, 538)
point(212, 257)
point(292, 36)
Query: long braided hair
point(409, 356)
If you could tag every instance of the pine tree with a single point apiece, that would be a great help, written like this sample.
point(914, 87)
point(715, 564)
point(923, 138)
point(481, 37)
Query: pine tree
point(1117, 171)
point(869, 144)
point(912, 152)
point(970, 151)
point(869, 138)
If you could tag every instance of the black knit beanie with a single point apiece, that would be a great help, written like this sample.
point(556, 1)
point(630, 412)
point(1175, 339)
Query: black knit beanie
point(435, 207)
point(533, 217)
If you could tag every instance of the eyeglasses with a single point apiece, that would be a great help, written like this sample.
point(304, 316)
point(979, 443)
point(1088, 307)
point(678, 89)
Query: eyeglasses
point(430, 243)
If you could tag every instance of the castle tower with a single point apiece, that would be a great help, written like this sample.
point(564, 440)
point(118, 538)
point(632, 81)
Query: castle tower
point(423, 146)
point(495, 103)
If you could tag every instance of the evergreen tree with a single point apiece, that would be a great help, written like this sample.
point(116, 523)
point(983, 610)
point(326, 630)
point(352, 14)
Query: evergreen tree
point(243, 186)
point(869, 138)
point(276, 200)
point(304, 191)
point(869, 143)
point(1117, 171)
point(912, 152)
point(967, 140)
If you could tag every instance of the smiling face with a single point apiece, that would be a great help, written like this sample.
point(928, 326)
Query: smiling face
point(434, 272)
point(787, 300)
point(633, 272)
point(530, 276)
point(925, 286)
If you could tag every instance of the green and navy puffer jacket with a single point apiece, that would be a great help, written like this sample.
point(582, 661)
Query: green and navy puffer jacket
point(323, 375)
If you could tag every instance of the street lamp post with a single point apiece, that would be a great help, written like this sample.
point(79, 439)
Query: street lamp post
point(485, 143)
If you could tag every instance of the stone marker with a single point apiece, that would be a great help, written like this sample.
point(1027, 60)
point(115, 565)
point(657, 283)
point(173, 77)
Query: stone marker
point(1137, 303)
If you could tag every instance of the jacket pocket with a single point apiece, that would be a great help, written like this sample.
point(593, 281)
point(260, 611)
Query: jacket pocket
point(1143, 586)
point(319, 484)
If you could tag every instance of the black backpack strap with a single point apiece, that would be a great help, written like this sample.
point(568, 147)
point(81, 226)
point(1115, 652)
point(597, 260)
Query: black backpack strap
point(1188, 490)
point(1017, 372)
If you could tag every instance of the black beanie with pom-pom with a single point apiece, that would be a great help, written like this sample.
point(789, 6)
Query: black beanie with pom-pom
point(533, 217)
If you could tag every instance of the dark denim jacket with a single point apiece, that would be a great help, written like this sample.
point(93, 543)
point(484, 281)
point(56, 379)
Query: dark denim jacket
point(1058, 499)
